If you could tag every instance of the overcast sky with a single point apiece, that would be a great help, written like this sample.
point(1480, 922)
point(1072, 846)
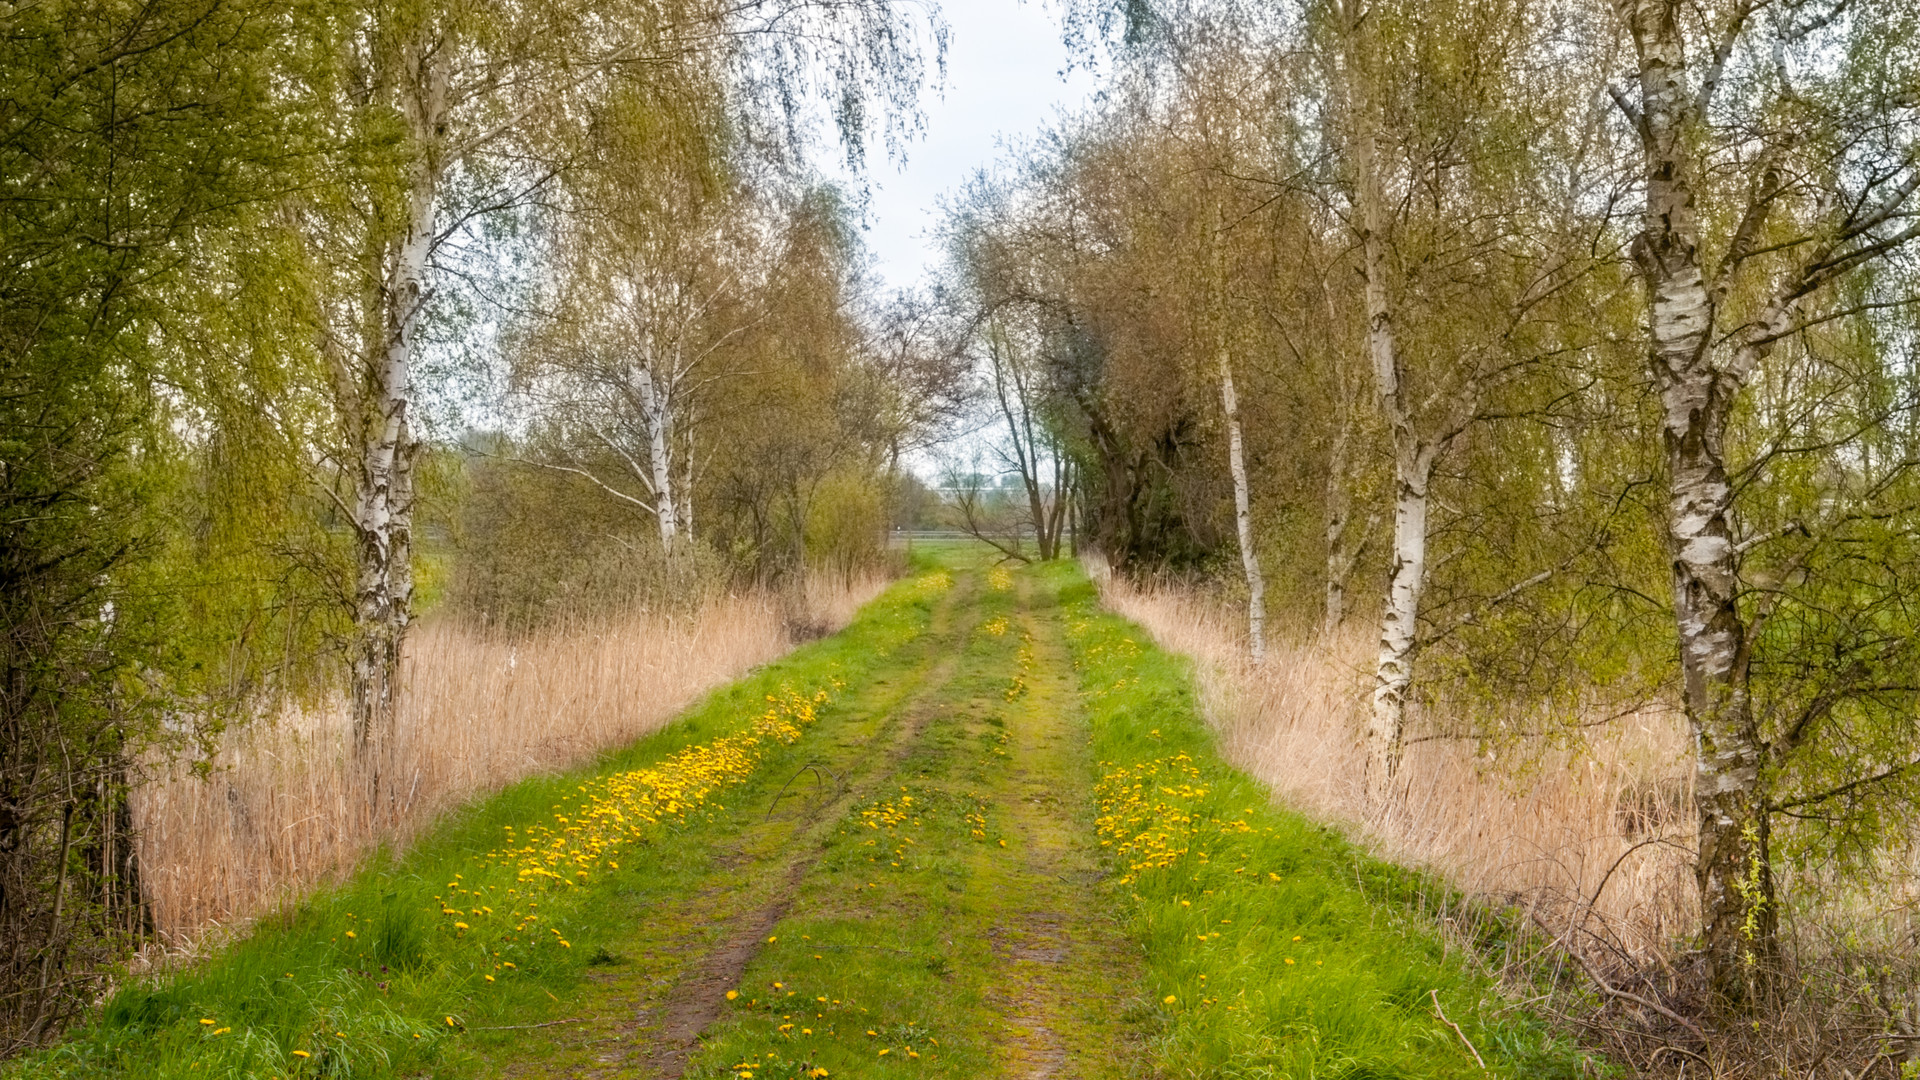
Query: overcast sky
point(1004, 65)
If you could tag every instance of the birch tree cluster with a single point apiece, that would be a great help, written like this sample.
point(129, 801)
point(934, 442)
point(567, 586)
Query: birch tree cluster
point(1564, 347)
point(314, 316)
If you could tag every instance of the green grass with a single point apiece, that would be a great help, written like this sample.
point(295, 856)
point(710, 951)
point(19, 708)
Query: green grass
point(1274, 948)
point(902, 955)
point(372, 979)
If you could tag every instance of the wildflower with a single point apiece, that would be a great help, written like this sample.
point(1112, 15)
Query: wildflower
point(733, 995)
point(205, 1022)
point(221, 1031)
point(1168, 1000)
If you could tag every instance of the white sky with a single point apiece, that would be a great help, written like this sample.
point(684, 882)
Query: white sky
point(1004, 64)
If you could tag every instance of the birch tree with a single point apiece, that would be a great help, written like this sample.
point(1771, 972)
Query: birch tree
point(656, 262)
point(484, 102)
point(1434, 111)
point(1776, 156)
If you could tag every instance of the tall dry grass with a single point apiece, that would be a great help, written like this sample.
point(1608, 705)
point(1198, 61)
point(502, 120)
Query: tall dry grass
point(1592, 841)
point(1599, 833)
point(282, 808)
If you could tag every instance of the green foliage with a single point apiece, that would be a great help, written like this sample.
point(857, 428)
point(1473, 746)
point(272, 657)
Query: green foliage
point(532, 547)
point(134, 137)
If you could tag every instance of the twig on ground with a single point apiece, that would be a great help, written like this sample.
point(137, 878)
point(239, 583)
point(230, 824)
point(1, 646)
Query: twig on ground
point(1669, 1048)
point(819, 774)
point(1612, 991)
point(1435, 995)
point(527, 1027)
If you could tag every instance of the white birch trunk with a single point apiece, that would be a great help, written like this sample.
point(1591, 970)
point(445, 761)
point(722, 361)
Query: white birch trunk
point(1413, 470)
point(656, 403)
point(384, 493)
point(1399, 627)
point(1697, 396)
point(1243, 517)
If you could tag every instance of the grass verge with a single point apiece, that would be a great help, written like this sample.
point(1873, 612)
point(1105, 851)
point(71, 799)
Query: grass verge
point(1273, 947)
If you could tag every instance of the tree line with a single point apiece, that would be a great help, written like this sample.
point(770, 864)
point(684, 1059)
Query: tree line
point(315, 315)
point(1568, 345)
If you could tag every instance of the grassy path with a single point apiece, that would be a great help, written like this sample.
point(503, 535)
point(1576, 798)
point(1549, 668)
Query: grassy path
point(982, 833)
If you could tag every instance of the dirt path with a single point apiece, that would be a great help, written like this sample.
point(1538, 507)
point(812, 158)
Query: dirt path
point(924, 902)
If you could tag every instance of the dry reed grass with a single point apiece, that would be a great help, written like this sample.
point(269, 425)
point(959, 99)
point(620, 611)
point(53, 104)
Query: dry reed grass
point(1601, 830)
point(1592, 841)
point(283, 808)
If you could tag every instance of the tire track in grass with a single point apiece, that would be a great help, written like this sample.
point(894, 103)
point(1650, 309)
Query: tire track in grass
point(1066, 974)
point(701, 997)
point(697, 909)
point(953, 927)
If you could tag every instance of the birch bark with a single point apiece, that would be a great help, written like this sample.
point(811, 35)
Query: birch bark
point(1697, 395)
point(1243, 516)
point(1413, 462)
point(388, 448)
point(657, 404)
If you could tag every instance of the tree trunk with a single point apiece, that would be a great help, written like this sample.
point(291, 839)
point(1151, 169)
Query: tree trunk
point(1342, 551)
point(384, 494)
point(1731, 871)
point(1243, 516)
point(1413, 469)
point(657, 403)
point(684, 504)
point(1399, 626)
point(1697, 399)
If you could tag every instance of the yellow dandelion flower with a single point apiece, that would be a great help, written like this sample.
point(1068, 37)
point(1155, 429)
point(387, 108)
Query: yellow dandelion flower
point(1168, 1000)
